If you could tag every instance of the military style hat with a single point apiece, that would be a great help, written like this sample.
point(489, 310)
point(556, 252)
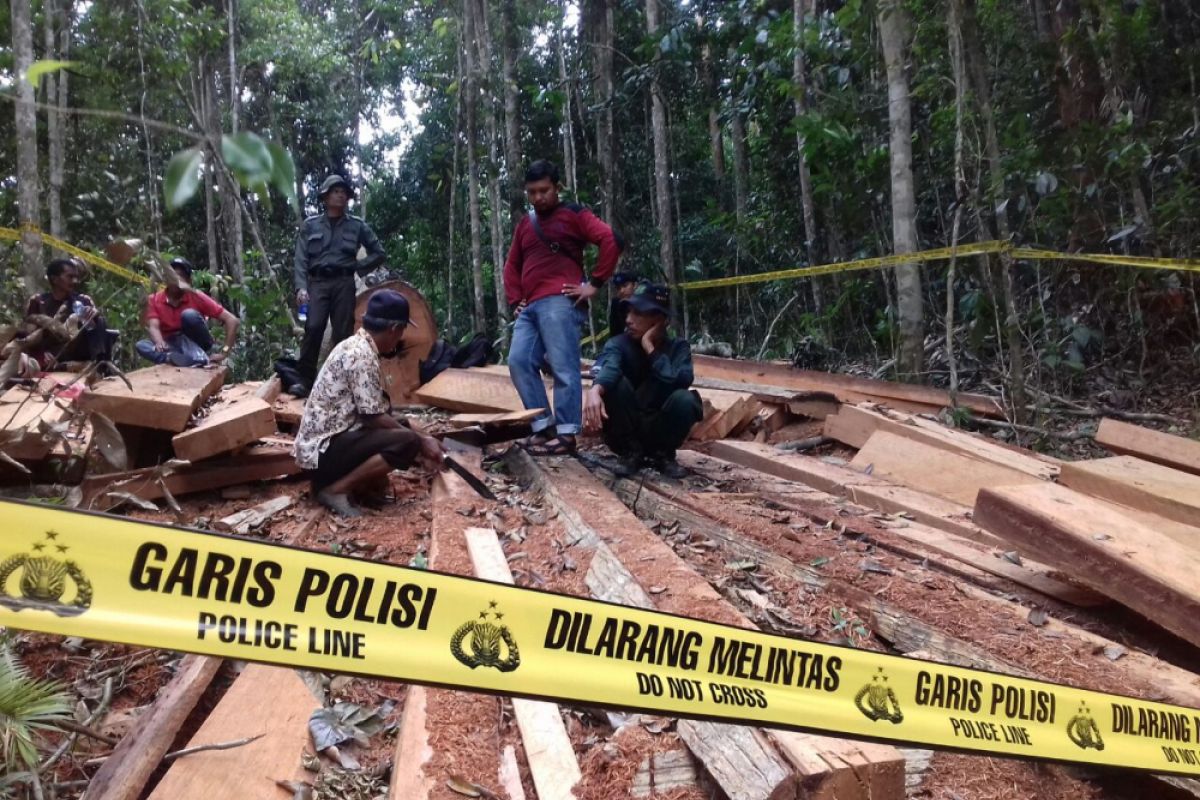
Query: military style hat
point(335, 180)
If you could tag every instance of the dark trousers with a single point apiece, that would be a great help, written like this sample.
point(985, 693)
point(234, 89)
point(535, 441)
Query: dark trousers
point(330, 299)
point(632, 429)
point(347, 451)
point(94, 343)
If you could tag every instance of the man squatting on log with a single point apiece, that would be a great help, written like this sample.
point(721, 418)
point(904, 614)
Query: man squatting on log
point(347, 437)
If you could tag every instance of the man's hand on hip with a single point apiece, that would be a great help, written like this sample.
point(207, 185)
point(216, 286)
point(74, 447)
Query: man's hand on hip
point(579, 291)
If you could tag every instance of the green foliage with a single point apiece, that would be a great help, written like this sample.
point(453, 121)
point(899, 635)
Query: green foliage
point(27, 706)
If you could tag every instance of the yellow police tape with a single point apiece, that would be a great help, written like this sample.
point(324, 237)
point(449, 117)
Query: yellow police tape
point(14, 235)
point(943, 254)
point(82, 574)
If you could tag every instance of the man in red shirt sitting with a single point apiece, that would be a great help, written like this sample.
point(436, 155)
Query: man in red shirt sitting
point(545, 287)
point(176, 319)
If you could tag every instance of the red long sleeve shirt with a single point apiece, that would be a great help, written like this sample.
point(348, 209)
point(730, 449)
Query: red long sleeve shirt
point(533, 270)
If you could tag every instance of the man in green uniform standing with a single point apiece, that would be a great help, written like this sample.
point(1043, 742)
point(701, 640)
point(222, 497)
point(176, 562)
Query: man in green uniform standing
point(641, 400)
point(326, 261)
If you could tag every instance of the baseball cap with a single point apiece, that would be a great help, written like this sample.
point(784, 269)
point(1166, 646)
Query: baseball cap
point(651, 298)
point(386, 308)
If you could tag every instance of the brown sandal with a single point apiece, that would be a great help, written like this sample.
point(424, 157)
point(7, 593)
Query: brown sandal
point(538, 439)
point(558, 446)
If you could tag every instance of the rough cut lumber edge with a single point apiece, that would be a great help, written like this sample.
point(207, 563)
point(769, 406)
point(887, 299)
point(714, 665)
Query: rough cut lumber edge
point(853, 425)
point(662, 772)
point(740, 759)
point(548, 749)
point(934, 512)
point(471, 391)
point(113, 398)
point(500, 418)
point(270, 390)
point(32, 445)
point(226, 429)
point(510, 774)
point(1133, 564)
point(1143, 486)
point(248, 519)
point(282, 706)
point(124, 774)
point(1149, 445)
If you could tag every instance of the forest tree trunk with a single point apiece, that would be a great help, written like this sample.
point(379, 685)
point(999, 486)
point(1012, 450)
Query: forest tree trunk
point(800, 109)
point(231, 198)
point(662, 174)
point(472, 101)
point(484, 31)
point(601, 41)
point(27, 148)
point(893, 30)
point(512, 113)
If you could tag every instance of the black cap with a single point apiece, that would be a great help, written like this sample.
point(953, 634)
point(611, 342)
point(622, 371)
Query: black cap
point(651, 298)
point(386, 308)
point(622, 278)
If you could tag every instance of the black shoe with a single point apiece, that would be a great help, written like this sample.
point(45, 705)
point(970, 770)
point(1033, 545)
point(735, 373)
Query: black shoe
point(298, 390)
point(626, 466)
point(670, 468)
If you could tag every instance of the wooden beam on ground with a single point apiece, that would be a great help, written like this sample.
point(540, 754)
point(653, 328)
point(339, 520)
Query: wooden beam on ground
point(548, 749)
point(123, 775)
point(1140, 485)
point(250, 519)
point(226, 429)
point(257, 464)
point(288, 410)
point(496, 419)
point(281, 705)
point(847, 387)
point(162, 396)
point(728, 411)
point(471, 391)
point(23, 414)
point(814, 405)
point(853, 426)
point(951, 476)
point(748, 763)
point(1149, 445)
point(1115, 554)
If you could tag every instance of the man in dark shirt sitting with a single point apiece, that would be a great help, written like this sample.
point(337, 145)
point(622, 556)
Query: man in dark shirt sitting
point(92, 343)
point(641, 400)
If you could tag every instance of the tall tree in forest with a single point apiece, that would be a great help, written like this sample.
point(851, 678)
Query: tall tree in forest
point(800, 110)
point(570, 169)
point(27, 149)
point(662, 170)
point(56, 16)
point(471, 108)
point(512, 112)
point(599, 18)
point(893, 34)
point(483, 31)
point(231, 198)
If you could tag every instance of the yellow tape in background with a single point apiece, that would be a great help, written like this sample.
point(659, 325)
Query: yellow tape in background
point(14, 235)
point(943, 254)
point(81, 574)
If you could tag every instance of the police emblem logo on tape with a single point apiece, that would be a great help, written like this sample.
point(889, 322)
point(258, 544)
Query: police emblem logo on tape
point(1083, 730)
point(45, 581)
point(877, 701)
point(488, 644)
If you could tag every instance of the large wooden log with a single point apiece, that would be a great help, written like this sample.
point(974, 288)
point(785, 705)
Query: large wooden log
point(1149, 445)
point(162, 396)
point(402, 375)
point(229, 427)
point(1141, 485)
point(1115, 554)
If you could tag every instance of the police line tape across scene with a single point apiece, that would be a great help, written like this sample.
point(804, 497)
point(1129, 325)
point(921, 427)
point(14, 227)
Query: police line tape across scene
point(82, 574)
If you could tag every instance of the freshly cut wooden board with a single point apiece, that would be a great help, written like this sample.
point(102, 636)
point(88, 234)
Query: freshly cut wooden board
point(471, 391)
point(226, 429)
point(163, 397)
point(21, 414)
point(272, 701)
point(498, 419)
point(1149, 445)
point(1114, 553)
point(948, 475)
point(1140, 485)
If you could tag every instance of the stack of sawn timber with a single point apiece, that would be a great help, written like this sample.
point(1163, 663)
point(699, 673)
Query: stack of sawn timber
point(218, 430)
point(1127, 527)
point(40, 432)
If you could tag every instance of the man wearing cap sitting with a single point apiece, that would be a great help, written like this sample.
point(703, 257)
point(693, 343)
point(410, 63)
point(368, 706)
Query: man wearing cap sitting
point(177, 324)
point(325, 263)
point(640, 400)
point(347, 438)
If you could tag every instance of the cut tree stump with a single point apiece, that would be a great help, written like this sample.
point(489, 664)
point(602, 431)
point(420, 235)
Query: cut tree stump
point(1141, 485)
point(226, 429)
point(162, 397)
point(1115, 554)
point(548, 748)
point(271, 701)
point(124, 774)
point(748, 763)
point(1149, 445)
point(950, 476)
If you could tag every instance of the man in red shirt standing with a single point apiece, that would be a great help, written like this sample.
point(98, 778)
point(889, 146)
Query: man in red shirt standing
point(177, 322)
point(545, 287)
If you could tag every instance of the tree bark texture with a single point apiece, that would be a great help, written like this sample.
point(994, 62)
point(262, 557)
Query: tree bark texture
point(496, 232)
point(512, 113)
point(27, 148)
point(800, 108)
point(601, 40)
point(662, 174)
point(570, 177)
point(471, 86)
point(893, 30)
point(57, 47)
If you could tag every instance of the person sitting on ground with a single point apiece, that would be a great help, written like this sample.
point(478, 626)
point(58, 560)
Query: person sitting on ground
point(93, 342)
point(347, 437)
point(641, 399)
point(177, 322)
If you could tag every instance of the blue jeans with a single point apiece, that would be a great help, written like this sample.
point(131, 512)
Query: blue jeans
point(547, 331)
point(188, 348)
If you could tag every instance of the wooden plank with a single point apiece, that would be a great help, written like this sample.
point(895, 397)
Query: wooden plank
point(1115, 554)
point(1139, 484)
point(471, 390)
point(22, 413)
point(951, 476)
point(814, 408)
point(281, 704)
point(269, 390)
point(288, 410)
point(853, 425)
point(499, 419)
point(226, 429)
point(1149, 445)
point(846, 387)
point(162, 397)
point(548, 748)
point(123, 775)
point(746, 762)
point(242, 522)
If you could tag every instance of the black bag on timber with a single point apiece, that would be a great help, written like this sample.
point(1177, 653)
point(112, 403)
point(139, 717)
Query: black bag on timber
point(475, 353)
point(439, 359)
point(288, 370)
